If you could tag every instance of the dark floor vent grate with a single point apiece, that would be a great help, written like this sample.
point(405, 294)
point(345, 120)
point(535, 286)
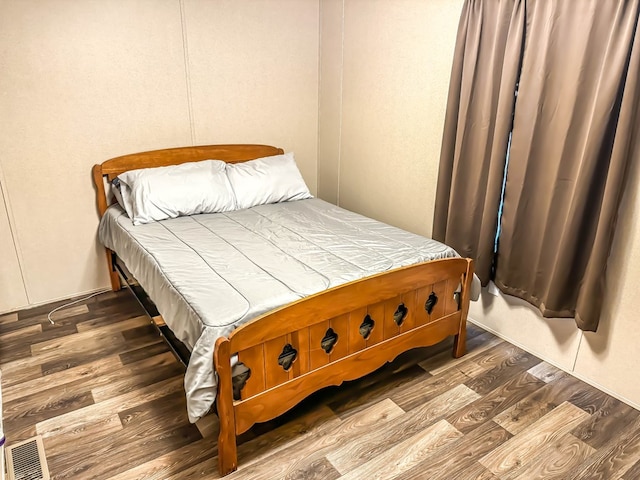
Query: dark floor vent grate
point(26, 460)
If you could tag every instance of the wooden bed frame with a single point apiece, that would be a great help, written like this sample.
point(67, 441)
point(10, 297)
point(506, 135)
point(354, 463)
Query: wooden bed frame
point(334, 336)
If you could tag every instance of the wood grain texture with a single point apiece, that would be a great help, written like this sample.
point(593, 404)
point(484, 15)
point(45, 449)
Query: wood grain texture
point(227, 447)
point(428, 388)
point(496, 401)
point(519, 450)
point(633, 473)
point(373, 444)
point(344, 299)
point(272, 403)
point(314, 448)
point(542, 401)
point(106, 408)
point(406, 454)
point(553, 461)
point(451, 463)
point(8, 318)
point(613, 416)
point(502, 373)
point(175, 156)
point(118, 411)
point(613, 459)
point(546, 372)
point(84, 374)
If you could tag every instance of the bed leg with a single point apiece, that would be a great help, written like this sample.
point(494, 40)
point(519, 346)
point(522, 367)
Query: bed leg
point(227, 448)
point(460, 340)
point(460, 343)
point(113, 275)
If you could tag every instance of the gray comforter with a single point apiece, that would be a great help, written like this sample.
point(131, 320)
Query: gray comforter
point(210, 273)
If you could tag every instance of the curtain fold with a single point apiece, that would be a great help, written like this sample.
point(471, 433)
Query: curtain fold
point(575, 128)
point(477, 125)
point(575, 123)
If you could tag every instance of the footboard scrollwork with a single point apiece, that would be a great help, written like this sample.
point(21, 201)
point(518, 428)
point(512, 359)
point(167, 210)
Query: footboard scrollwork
point(431, 302)
point(400, 314)
point(329, 340)
point(241, 373)
point(336, 336)
point(287, 357)
point(366, 326)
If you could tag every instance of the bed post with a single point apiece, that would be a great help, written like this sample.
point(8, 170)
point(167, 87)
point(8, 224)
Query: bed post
point(113, 274)
point(102, 207)
point(460, 340)
point(227, 449)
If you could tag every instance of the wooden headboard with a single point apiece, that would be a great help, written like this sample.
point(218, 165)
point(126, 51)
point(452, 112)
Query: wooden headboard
point(173, 156)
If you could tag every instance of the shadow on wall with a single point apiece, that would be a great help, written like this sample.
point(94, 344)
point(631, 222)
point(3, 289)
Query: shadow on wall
point(619, 276)
point(518, 306)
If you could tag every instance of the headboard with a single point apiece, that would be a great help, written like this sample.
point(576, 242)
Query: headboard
point(173, 156)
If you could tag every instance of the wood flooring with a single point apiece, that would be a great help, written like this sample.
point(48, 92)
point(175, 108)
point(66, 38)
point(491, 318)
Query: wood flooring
point(107, 396)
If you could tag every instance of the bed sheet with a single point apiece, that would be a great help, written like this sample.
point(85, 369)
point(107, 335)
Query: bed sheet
point(208, 274)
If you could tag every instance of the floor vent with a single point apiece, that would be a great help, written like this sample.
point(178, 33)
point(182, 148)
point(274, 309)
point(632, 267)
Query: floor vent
point(26, 460)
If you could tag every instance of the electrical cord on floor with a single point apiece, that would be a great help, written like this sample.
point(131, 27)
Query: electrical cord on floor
point(100, 292)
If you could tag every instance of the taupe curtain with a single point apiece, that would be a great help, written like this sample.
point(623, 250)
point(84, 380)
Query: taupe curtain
point(575, 118)
point(477, 125)
point(574, 133)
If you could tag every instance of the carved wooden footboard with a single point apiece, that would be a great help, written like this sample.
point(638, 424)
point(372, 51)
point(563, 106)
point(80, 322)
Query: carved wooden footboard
point(334, 336)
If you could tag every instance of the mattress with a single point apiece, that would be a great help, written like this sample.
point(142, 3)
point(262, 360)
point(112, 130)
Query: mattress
point(208, 274)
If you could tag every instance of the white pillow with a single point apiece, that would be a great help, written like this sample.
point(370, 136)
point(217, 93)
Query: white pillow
point(267, 180)
point(152, 194)
point(116, 189)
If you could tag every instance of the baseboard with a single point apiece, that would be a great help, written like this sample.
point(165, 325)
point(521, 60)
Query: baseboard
point(72, 297)
point(551, 362)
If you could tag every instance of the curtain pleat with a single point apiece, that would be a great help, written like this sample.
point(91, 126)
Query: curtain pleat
point(575, 128)
point(574, 132)
point(477, 125)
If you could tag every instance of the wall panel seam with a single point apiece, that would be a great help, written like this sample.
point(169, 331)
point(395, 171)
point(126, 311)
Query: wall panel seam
point(12, 232)
point(575, 360)
point(341, 103)
point(187, 74)
point(318, 175)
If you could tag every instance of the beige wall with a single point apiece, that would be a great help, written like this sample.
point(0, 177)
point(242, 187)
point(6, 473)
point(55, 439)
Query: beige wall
point(253, 74)
point(330, 92)
point(390, 98)
point(85, 81)
point(610, 357)
point(12, 292)
point(396, 64)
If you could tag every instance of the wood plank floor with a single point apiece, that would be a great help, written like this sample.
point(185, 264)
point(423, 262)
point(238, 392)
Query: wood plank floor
point(106, 394)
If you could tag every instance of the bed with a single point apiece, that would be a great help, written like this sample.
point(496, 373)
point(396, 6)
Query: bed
point(279, 300)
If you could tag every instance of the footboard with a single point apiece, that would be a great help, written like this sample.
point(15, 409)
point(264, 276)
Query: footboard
point(334, 336)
